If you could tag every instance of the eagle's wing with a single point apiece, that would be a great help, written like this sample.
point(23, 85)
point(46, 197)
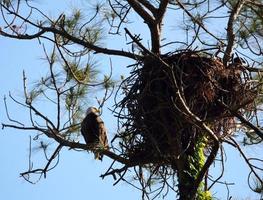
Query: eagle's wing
point(103, 140)
point(89, 130)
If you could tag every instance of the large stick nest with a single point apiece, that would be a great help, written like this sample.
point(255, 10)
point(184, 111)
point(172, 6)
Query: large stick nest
point(154, 127)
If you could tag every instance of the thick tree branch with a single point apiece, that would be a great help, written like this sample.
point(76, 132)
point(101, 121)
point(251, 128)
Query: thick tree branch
point(153, 24)
point(54, 134)
point(155, 28)
point(161, 10)
point(230, 30)
point(74, 39)
point(155, 38)
point(141, 11)
point(64, 34)
point(149, 6)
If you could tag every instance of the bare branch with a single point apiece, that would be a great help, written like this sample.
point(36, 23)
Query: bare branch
point(161, 10)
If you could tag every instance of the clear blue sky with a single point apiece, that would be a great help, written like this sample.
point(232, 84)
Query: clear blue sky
point(77, 175)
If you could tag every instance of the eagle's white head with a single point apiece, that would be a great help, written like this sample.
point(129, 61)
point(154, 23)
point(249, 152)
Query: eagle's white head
point(92, 110)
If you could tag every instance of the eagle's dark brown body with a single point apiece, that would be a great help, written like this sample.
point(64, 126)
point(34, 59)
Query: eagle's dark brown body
point(94, 132)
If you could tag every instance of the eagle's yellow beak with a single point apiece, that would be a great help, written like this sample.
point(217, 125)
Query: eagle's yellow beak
point(97, 110)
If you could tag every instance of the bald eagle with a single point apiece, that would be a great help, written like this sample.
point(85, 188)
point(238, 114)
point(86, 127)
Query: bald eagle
point(94, 131)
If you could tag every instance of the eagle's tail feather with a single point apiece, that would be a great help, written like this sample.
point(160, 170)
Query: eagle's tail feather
point(98, 156)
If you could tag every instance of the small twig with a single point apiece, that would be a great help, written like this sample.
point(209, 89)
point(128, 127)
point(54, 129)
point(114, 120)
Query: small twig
point(198, 22)
point(46, 168)
point(59, 147)
point(222, 171)
point(8, 117)
point(136, 41)
point(246, 159)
